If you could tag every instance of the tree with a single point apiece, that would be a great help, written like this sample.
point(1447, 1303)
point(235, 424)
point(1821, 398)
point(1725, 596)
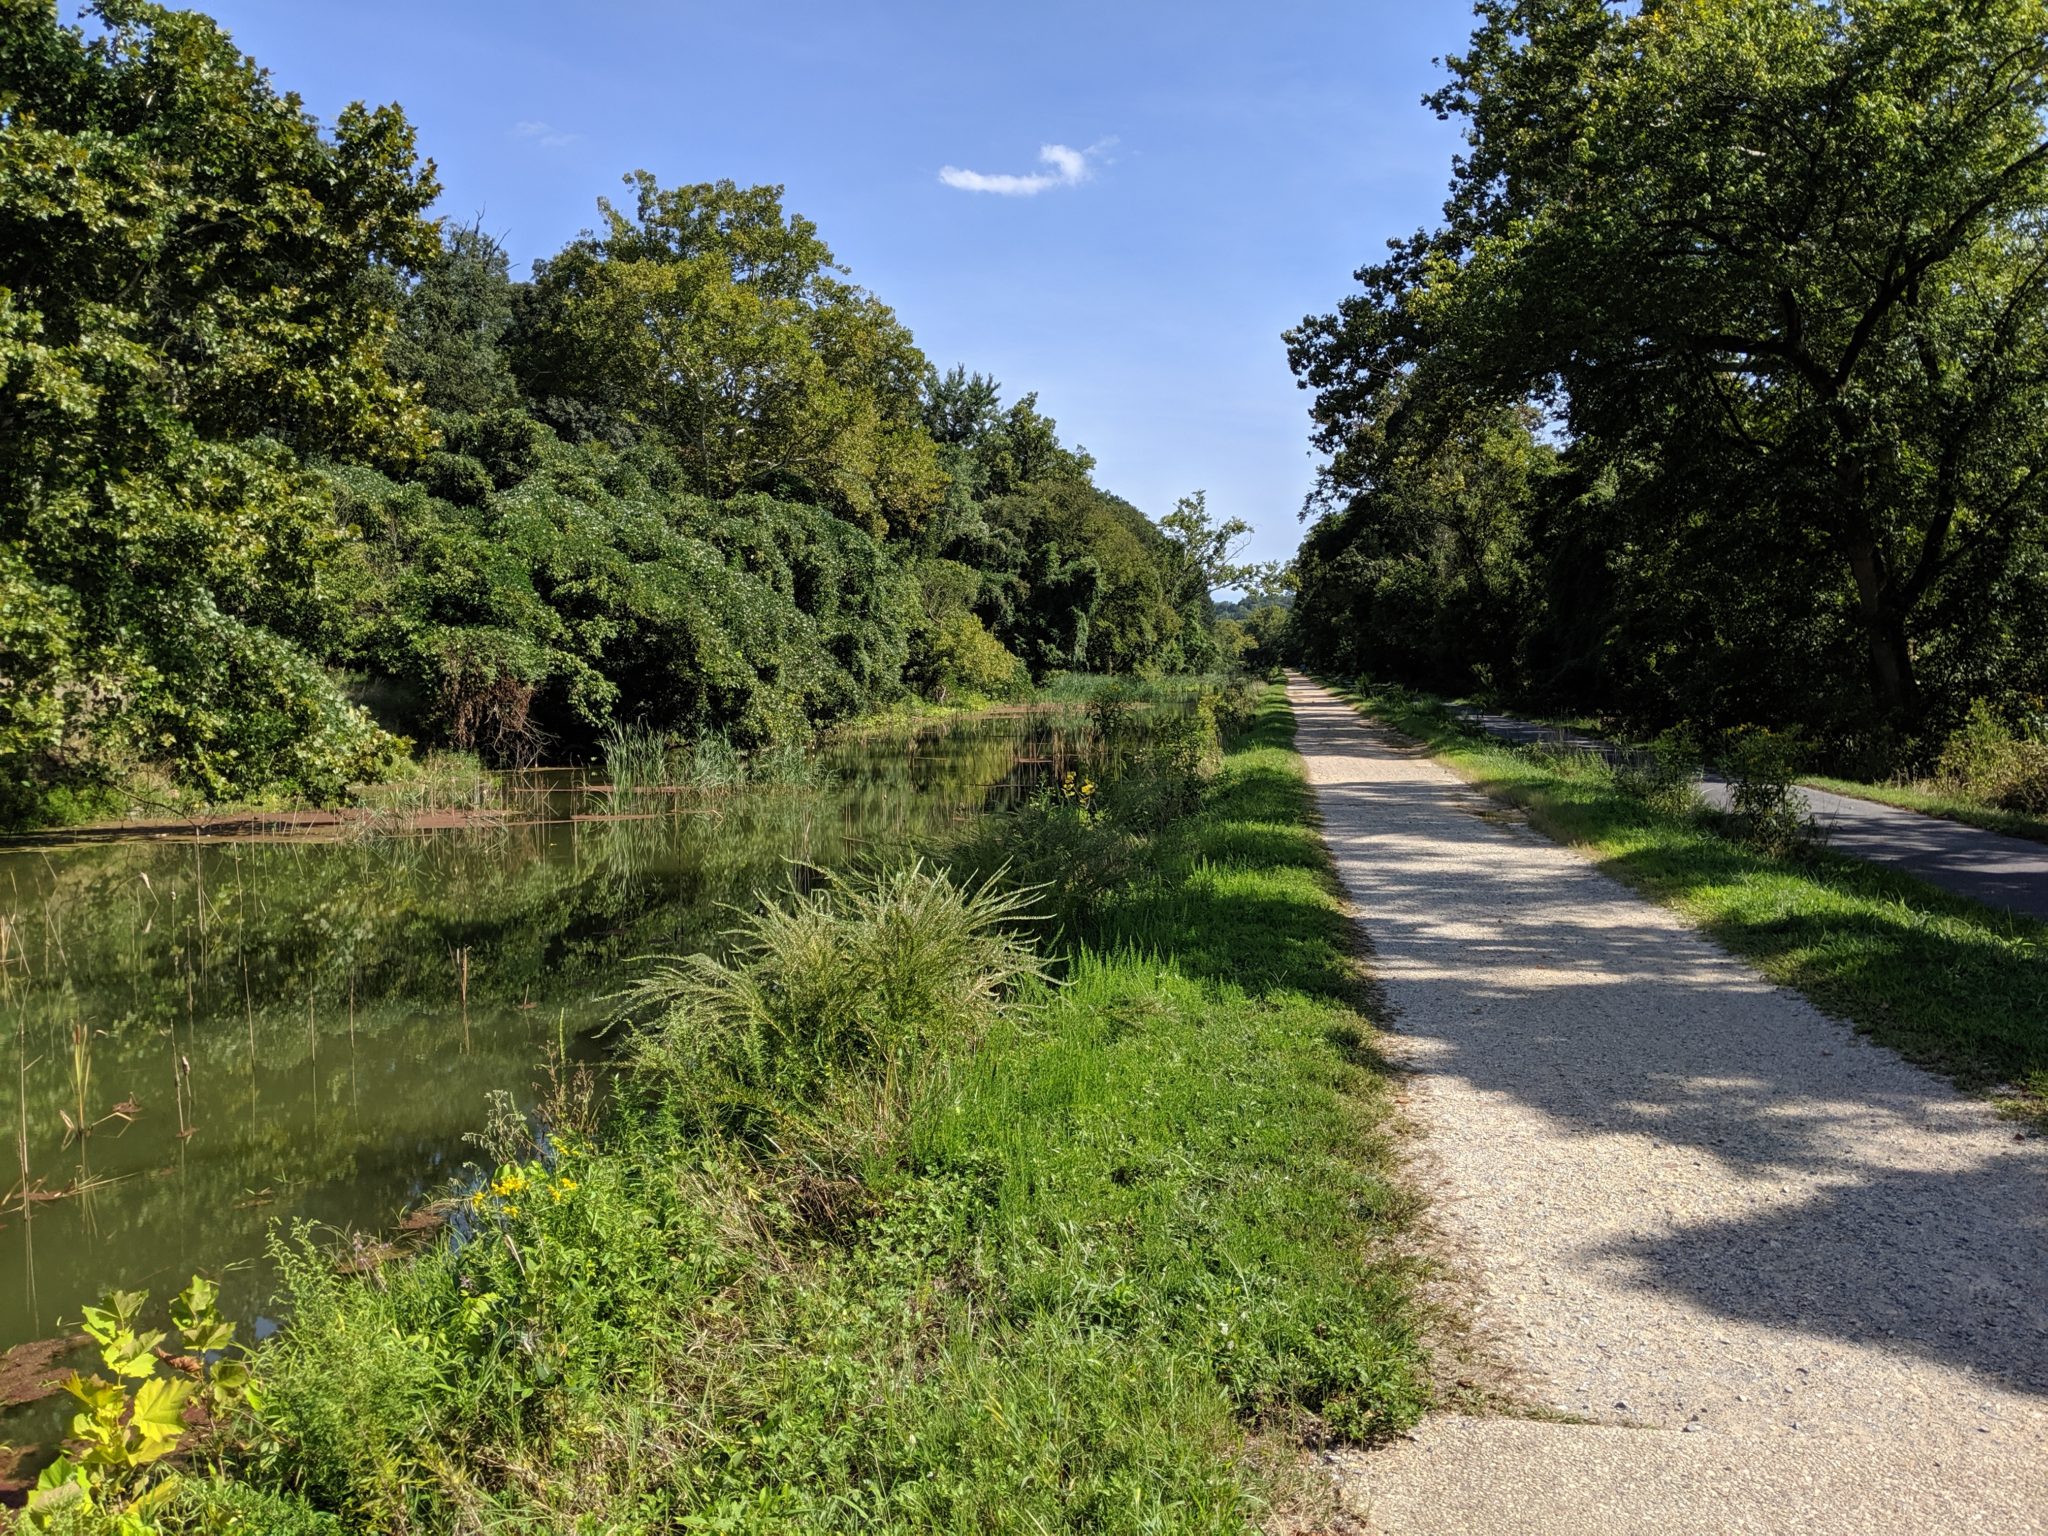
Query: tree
point(1783, 259)
point(1203, 552)
point(186, 304)
point(711, 320)
point(452, 324)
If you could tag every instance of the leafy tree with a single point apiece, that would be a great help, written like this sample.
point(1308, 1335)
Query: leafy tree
point(1775, 272)
point(714, 322)
point(452, 324)
point(184, 304)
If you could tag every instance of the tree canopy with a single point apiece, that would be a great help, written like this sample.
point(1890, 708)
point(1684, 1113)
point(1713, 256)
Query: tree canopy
point(292, 473)
point(1723, 375)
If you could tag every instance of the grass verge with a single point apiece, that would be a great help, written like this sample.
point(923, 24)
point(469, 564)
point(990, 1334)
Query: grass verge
point(1934, 802)
point(1104, 1265)
point(1946, 982)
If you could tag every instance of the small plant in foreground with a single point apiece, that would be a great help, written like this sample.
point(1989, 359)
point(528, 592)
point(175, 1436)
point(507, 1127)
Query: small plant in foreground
point(111, 1476)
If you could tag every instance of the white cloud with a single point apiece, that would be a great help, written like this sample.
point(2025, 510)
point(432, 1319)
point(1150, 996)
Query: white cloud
point(1068, 168)
point(544, 134)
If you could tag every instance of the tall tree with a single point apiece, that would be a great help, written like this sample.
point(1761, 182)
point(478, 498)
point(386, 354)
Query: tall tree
point(1788, 253)
point(185, 303)
point(708, 318)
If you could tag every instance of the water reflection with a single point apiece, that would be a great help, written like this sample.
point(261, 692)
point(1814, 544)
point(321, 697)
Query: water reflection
point(203, 1036)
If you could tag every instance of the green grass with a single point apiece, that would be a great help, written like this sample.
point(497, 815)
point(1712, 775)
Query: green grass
point(1936, 802)
point(1135, 1245)
point(1946, 982)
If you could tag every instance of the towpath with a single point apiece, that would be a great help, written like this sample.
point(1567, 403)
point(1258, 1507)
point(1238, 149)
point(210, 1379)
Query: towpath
point(1790, 1282)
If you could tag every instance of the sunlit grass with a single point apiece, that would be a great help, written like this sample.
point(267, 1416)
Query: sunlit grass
point(1938, 802)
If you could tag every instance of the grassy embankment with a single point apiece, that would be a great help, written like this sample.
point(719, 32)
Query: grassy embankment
point(1092, 1257)
point(1937, 802)
point(1928, 798)
point(1943, 981)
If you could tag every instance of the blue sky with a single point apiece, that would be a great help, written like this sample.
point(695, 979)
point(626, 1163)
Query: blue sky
point(1227, 168)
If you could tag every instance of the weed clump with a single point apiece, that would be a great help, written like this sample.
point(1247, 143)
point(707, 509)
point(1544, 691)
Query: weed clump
point(1664, 773)
point(836, 1010)
point(1988, 762)
point(1768, 811)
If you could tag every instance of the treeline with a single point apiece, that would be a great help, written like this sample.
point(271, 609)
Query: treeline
point(290, 471)
point(1721, 392)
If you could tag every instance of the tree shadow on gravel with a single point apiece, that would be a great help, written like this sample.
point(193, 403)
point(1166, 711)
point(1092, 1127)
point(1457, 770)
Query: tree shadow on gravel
point(1874, 1205)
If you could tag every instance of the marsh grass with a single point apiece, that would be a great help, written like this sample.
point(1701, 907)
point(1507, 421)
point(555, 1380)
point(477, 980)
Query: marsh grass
point(1132, 1243)
point(835, 1010)
point(1950, 984)
point(638, 760)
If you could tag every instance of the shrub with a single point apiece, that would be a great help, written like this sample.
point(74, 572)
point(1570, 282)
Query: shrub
point(865, 987)
point(964, 658)
point(1985, 761)
point(1664, 773)
point(1769, 812)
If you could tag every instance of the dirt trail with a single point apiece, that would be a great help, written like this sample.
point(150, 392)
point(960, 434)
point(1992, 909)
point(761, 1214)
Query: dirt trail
point(1799, 1284)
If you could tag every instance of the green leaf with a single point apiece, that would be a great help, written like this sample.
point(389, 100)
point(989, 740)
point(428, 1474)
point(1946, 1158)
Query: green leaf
point(157, 1417)
point(193, 1311)
point(131, 1354)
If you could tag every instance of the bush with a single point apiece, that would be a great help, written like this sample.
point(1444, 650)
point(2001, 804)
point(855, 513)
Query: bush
point(1763, 769)
point(964, 658)
point(867, 987)
point(1985, 761)
point(1664, 774)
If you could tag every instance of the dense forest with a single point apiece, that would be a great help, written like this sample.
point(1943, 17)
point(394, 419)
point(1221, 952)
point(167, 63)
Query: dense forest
point(1721, 392)
point(293, 474)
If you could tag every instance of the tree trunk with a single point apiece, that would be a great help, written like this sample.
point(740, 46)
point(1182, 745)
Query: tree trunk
point(1892, 685)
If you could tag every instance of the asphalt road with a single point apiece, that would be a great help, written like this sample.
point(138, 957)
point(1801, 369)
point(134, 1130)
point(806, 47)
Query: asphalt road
point(2008, 872)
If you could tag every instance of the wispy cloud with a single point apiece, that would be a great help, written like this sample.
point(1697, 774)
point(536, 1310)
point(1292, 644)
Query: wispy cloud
point(1064, 168)
point(544, 134)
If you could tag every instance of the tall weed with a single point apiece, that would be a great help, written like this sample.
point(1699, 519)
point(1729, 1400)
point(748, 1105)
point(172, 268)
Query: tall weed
point(1664, 773)
point(879, 981)
point(1768, 810)
point(1988, 762)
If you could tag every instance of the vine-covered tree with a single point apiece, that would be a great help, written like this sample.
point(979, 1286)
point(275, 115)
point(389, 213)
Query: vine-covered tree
point(185, 306)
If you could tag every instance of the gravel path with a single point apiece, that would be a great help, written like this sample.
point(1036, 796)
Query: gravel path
point(1798, 1284)
point(2000, 871)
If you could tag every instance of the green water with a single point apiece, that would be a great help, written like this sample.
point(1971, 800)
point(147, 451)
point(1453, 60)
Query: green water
point(261, 1031)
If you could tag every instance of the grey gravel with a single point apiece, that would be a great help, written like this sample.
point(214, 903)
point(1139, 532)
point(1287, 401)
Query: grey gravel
point(1813, 1273)
point(2000, 871)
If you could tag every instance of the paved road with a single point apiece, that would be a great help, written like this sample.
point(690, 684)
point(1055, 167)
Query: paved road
point(1797, 1283)
point(2008, 872)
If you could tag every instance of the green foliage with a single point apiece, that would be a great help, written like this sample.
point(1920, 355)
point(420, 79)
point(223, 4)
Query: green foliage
point(183, 308)
point(883, 980)
point(1763, 781)
point(710, 318)
point(111, 1479)
point(1986, 762)
point(962, 657)
point(1664, 773)
point(262, 425)
point(1770, 275)
point(1127, 1221)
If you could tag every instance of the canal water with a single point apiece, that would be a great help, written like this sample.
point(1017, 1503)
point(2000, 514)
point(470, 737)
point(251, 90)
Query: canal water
point(204, 1035)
